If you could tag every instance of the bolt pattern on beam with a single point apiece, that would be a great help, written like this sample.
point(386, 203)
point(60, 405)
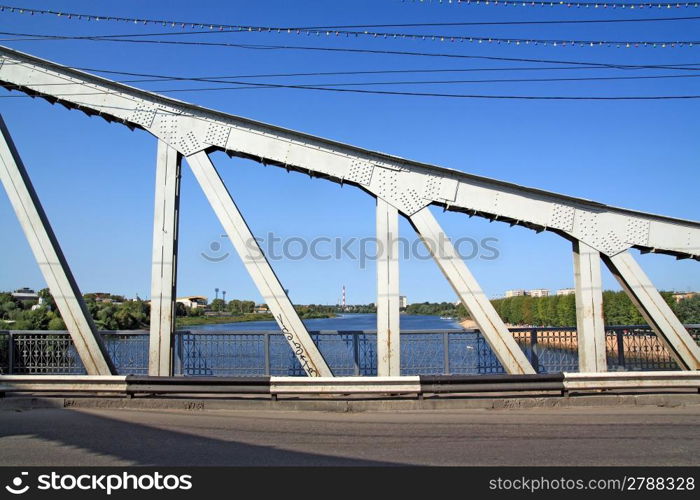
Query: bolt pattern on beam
point(467, 288)
point(654, 309)
point(164, 263)
point(258, 267)
point(388, 318)
point(51, 260)
point(407, 185)
point(589, 309)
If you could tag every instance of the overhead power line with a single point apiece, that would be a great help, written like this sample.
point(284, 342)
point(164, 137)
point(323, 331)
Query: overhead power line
point(523, 3)
point(423, 94)
point(34, 37)
point(478, 40)
point(396, 71)
point(334, 88)
point(439, 82)
point(507, 23)
point(560, 3)
point(443, 38)
point(336, 31)
point(156, 78)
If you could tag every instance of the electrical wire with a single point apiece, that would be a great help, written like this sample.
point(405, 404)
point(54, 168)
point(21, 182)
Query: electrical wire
point(330, 49)
point(562, 3)
point(153, 78)
point(502, 23)
point(338, 31)
point(515, 41)
point(394, 71)
point(401, 93)
point(218, 26)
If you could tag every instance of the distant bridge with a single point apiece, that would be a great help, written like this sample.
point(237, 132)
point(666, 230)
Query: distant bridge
point(596, 231)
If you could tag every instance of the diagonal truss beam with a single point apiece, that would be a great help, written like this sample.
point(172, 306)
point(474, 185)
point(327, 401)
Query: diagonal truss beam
point(655, 310)
point(164, 262)
point(388, 318)
point(407, 185)
point(463, 282)
point(51, 260)
point(258, 267)
point(589, 309)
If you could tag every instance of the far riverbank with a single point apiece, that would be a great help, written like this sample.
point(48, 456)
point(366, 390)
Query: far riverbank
point(184, 321)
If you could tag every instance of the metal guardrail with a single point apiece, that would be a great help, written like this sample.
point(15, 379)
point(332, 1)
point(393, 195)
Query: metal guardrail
point(542, 384)
point(349, 353)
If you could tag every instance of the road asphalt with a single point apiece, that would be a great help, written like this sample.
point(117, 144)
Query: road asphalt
point(631, 435)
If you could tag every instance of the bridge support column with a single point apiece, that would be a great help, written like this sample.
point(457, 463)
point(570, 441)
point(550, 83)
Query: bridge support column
point(257, 265)
point(655, 310)
point(467, 288)
point(589, 309)
point(164, 263)
point(388, 330)
point(51, 260)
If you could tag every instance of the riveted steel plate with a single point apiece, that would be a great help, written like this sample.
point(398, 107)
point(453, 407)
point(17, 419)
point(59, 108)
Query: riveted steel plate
point(610, 244)
point(360, 172)
point(637, 231)
point(217, 135)
point(168, 127)
point(189, 144)
point(385, 183)
point(431, 188)
point(411, 201)
point(143, 115)
point(562, 217)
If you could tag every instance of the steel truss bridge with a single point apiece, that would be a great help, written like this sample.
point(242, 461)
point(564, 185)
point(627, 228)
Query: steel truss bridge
point(597, 232)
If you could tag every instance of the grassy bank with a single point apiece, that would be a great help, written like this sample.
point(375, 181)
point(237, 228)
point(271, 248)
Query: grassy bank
point(217, 320)
point(183, 321)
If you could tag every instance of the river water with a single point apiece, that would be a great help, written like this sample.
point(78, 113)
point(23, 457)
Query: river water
point(346, 322)
point(208, 350)
point(430, 345)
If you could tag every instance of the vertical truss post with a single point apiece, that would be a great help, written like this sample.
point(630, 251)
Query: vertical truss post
point(655, 310)
point(164, 262)
point(388, 330)
point(589, 309)
point(51, 260)
point(467, 288)
point(258, 267)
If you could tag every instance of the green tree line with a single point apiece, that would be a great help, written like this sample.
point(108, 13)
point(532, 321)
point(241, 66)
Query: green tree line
point(114, 312)
point(560, 310)
point(437, 309)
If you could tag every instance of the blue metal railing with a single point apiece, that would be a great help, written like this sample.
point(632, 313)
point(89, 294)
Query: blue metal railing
point(260, 353)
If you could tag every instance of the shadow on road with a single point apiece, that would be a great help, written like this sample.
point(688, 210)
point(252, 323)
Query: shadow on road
point(139, 444)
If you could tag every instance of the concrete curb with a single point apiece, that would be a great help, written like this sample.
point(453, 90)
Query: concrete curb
point(352, 405)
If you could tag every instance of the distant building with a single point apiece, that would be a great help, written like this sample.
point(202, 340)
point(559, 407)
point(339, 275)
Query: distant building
point(684, 295)
point(262, 309)
point(25, 294)
point(403, 302)
point(42, 303)
point(106, 298)
point(193, 301)
point(102, 297)
point(566, 291)
point(537, 292)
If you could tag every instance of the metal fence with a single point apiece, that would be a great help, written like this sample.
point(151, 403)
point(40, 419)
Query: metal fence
point(257, 353)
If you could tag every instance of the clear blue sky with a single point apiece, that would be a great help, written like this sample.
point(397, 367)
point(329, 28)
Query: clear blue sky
point(96, 179)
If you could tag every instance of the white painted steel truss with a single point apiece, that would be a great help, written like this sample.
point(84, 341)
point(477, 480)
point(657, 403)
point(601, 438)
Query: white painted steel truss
point(400, 186)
